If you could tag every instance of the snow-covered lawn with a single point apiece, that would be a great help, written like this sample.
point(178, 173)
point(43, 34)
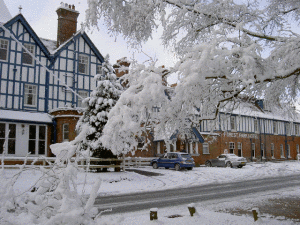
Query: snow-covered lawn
point(114, 183)
point(128, 182)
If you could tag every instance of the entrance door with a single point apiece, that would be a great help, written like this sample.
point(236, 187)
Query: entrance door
point(37, 139)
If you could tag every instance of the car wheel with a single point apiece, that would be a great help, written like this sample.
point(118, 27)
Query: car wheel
point(167, 168)
point(177, 167)
point(208, 164)
point(189, 168)
point(154, 165)
point(240, 167)
point(228, 164)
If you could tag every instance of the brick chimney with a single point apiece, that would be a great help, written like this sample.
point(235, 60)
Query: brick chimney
point(121, 67)
point(67, 22)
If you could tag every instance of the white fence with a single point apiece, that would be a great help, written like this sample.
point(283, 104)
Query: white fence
point(47, 162)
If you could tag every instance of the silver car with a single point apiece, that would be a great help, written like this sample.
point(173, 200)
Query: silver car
point(227, 160)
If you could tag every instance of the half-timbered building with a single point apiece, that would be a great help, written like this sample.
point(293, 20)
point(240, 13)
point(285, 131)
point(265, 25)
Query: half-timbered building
point(41, 88)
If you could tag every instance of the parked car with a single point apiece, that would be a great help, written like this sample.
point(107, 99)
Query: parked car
point(175, 160)
point(227, 160)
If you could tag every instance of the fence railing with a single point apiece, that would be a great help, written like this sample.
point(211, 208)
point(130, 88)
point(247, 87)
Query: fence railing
point(91, 163)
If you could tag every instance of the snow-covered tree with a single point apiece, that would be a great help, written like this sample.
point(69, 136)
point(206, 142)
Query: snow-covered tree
point(131, 118)
point(102, 99)
point(229, 50)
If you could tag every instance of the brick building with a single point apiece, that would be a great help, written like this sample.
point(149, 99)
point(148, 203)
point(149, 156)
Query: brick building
point(36, 107)
point(255, 133)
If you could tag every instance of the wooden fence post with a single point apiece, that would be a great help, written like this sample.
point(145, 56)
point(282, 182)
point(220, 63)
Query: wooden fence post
point(255, 212)
point(192, 209)
point(153, 214)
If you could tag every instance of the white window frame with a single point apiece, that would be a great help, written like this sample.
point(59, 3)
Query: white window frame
point(256, 125)
point(288, 150)
point(253, 150)
point(281, 151)
point(233, 123)
point(231, 146)
point(27, 93)
point(4, 47)
point(99, 69)
point(141, 142)
point(296, 129)
point(262, 148)
point(66, 132)
point(288, 129)
point(272, 151)
point(30, 48)
point(83, 94)
point(205, 148)
point(83, 60)
point(240, 147)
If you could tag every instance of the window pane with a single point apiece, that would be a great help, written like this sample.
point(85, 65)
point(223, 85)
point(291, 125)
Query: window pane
point(26, 58)
point(81, 68)
point(41, 147)
point(31, 146)
point(32, 132)
point(2, 145)
point(30, 94)
point(2, 130)
point(3, 54)
point(12, 131)
point(3, 49)
point(42, 133)
point(11, 146)
point(65, 132)
point(82, 64)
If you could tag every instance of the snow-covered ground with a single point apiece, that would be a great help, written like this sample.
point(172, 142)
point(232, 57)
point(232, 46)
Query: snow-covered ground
point(114, 183)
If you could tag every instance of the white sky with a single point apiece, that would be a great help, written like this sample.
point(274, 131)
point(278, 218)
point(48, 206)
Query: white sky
point(42, 17)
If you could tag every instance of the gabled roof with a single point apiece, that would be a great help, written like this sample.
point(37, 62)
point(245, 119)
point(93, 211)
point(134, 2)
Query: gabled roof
point(20, 18)
point(79, 34)
point(4, 13)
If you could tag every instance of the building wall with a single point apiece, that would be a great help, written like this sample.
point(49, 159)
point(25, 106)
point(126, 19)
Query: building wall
point(15, 73)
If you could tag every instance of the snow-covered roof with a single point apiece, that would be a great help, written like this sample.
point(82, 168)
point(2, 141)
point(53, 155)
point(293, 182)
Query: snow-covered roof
point(35, 117)
point(49, 44)
point(247, 109)
point(4, 13)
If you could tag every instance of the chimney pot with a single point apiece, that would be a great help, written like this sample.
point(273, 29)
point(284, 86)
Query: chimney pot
point(73, 7)
point(70, 6)
point(66, 5)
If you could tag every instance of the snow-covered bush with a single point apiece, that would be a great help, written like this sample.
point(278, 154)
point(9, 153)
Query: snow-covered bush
point(54, 198)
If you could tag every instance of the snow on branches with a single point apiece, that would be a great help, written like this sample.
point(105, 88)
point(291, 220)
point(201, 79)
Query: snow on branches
point(132, 114)
point(229, 51)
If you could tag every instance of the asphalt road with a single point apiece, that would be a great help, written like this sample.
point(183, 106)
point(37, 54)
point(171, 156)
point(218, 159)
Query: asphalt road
point(173, 197)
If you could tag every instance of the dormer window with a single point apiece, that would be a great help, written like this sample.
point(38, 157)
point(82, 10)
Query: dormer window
point(3, 49)
point(83, 64)
point(26, 57)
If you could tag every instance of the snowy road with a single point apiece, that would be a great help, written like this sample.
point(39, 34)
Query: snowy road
point(167, 198)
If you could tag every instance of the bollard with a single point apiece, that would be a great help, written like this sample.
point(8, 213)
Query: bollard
point(153, 214)
point(255, 214)
point(192, 209)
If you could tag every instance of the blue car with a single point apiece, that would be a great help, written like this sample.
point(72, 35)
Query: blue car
point(175, 160)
